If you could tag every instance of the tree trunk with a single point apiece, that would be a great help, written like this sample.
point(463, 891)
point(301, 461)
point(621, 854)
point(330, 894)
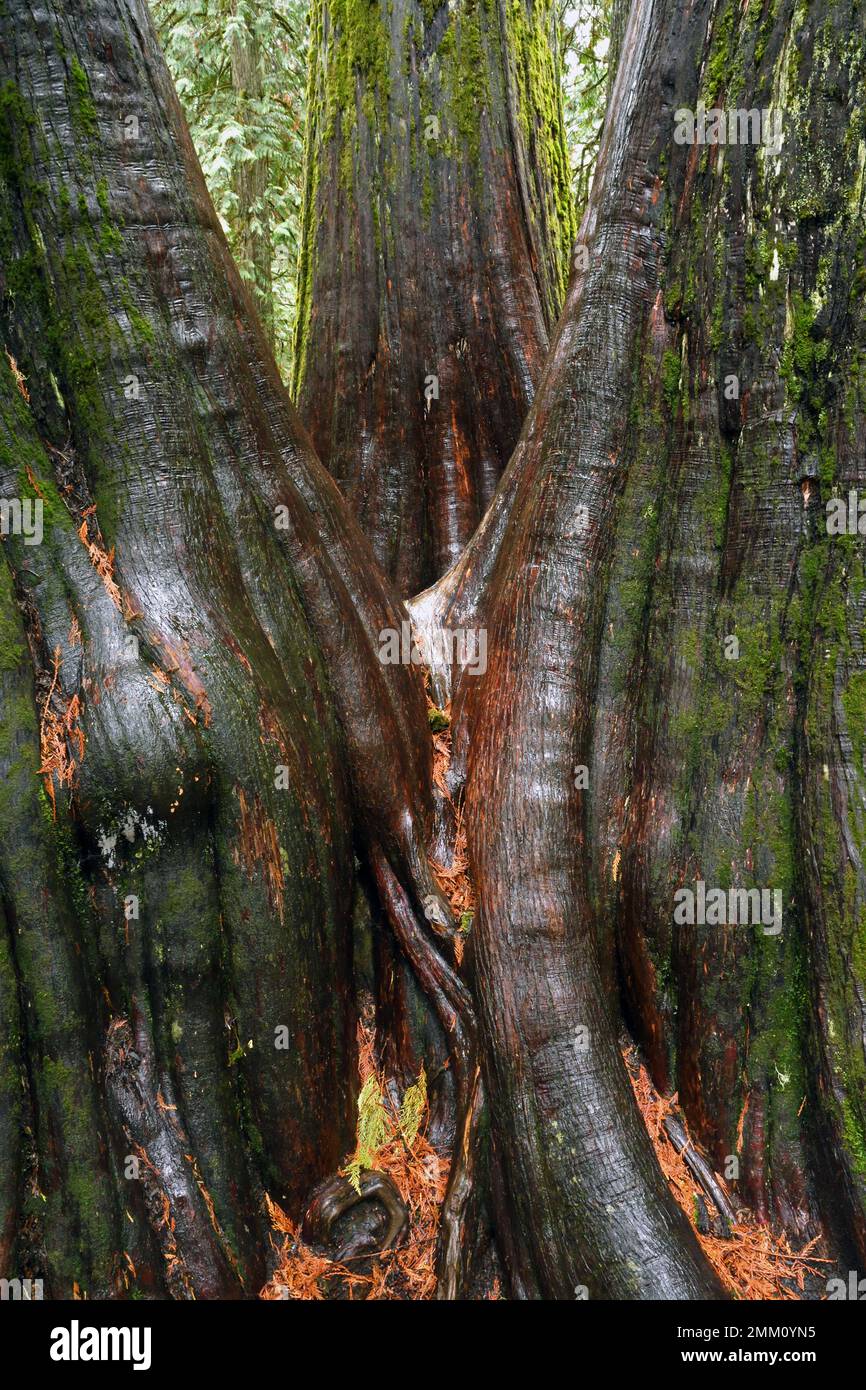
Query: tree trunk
point(198, 739)
point(182, 658)
point(620, 747)
point(438, 225)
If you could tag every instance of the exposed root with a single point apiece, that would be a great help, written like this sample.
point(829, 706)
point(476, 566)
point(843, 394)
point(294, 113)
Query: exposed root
point(340, 1195)
point(178, 1205)
point(162, 1223)
point(753, 1262)
point(420, 1175)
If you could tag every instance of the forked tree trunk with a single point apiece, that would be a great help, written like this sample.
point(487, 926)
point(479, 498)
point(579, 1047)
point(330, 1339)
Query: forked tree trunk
point(202, 689)
point(438, 224)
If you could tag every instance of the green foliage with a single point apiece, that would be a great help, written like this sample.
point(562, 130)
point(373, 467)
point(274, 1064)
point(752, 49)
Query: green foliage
point(376, 1127)
point(438, 719)
point(412, 1109)
point(231, 128)
point(584, 44)
point(373, 1131)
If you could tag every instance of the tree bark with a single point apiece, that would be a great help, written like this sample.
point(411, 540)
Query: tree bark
point(183, 658)
point(643, 521)
point(197, 736)
point(437, 231)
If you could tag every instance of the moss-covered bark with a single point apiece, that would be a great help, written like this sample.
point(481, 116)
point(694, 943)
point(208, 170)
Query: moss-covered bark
point(438, 224)
point(754, 369)
point(663, 604)
point(183, 656)
point(701, 405)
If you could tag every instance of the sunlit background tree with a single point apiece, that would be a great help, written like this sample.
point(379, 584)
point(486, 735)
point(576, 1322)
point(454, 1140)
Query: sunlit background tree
point(240, 72)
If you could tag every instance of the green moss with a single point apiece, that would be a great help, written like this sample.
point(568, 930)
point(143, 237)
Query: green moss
point(804, 354)
point(723, 56)
point(68, 860)
point(359, 53)
point(462, 59)
point(84, 1190)
point(58, 288)
point(355, 59)
point(854, 1133)
point(81, 104)
point(110, 238)
point(858, 950)
point(309, 214)
point(16, 119)
point(13, 649)
point(531, 50)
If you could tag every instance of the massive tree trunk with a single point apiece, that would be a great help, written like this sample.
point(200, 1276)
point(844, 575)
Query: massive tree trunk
point(673, 692)
point(199, 742)
point(183, 655)
point(438, 226)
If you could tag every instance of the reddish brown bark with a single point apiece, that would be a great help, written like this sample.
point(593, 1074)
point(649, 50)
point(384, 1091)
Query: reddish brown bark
point(436, 240)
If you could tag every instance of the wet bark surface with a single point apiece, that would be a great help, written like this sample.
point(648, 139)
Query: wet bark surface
point(213, 791)
point(187, 652)
point(616, 749)
point(437, 231)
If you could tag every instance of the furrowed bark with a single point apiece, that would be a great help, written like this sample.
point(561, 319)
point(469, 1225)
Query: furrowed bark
point(437, 229)
point(199, 573)
point(197, 735)
point(48, 1077)
point(587, 1197)
point(705, 520)
point(700, 766)
point(11, 1108)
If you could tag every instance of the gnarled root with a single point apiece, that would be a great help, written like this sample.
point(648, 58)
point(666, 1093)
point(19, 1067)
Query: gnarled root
point(336, 1197)
point(179, 1209)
